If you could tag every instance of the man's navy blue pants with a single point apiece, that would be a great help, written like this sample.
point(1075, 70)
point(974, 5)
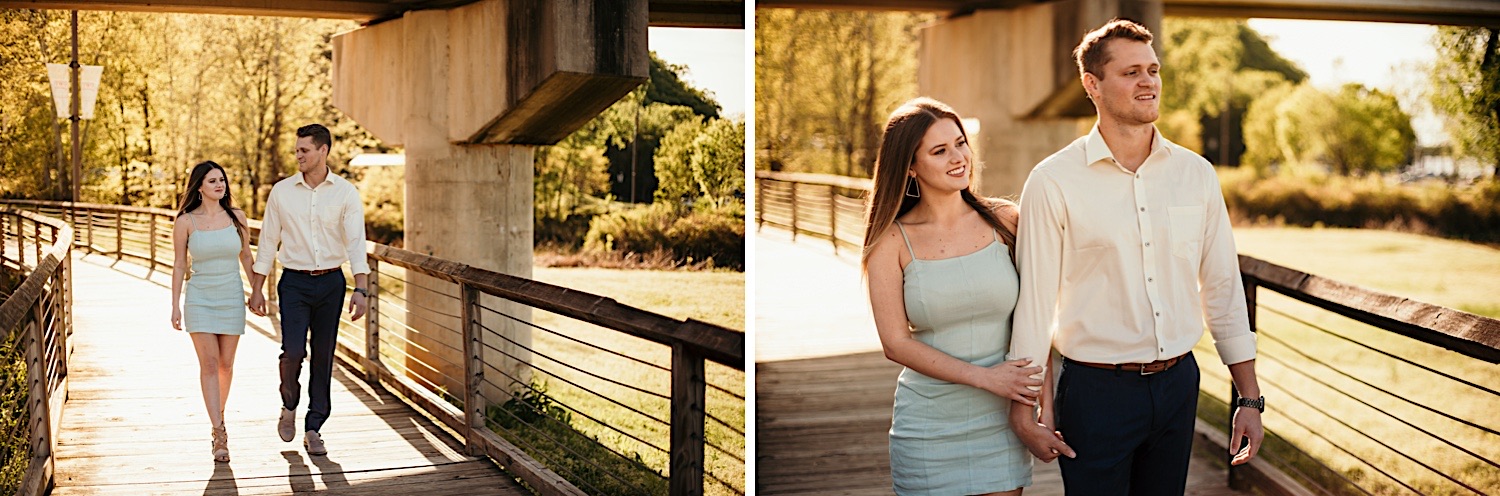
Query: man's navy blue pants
point(309, 305)
point(1133, 433)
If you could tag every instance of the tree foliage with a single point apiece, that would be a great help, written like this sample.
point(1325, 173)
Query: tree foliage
point(177, 89)
point(825, 82)
point(1466, 88)
point(1353, 130)
point(1212, 69)
point(703, 162)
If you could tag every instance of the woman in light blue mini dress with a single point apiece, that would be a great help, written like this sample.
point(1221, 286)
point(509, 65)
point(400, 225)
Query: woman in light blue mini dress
point(210, 237)
point(938, 261)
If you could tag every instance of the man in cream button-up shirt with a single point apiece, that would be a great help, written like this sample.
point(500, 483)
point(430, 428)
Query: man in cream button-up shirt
point(314, 223)
point(1125, 252)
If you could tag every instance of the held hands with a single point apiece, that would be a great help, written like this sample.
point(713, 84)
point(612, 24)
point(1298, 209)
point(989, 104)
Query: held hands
point(257, 303)
point(357, 306)
point(1045, 443)
point(1246, 425)
point(1012, 380)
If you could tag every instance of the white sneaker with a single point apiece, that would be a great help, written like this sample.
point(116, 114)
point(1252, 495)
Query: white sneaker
point(287, 426)
point(314, 443)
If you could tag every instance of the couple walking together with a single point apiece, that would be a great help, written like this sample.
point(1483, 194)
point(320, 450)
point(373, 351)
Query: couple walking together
point(314, 222)
point(1117, 255)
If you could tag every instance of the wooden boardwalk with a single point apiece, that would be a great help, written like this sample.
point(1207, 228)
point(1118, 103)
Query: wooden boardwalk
point(823, 388)
point(134, 422)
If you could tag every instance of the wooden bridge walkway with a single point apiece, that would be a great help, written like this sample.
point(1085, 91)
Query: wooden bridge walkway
point(823, 388)
point(134, 422)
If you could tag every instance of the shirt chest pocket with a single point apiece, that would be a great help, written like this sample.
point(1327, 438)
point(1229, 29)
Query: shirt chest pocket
point(1186, 231)
point(329, 215)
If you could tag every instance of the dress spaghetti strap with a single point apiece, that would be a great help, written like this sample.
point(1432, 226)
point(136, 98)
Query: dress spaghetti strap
point(909, 251)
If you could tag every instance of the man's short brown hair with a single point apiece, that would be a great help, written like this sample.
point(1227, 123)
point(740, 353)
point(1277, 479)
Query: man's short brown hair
point(1091, 55)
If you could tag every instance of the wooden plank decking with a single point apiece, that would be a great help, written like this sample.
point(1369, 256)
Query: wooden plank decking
point(135, 423)
point(824, 390)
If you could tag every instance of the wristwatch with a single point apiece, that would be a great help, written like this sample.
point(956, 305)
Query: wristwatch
point(1258, 403)
point(362, 292)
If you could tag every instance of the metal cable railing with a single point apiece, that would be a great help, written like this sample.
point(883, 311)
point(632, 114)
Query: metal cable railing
point(819, 205)
point(1406, 430)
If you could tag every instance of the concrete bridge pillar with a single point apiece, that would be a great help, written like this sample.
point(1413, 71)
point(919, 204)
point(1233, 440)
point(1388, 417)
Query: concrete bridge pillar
point(1012, 70)
point(470, 92)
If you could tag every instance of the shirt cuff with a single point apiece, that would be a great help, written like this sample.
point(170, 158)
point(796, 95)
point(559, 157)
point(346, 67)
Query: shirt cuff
point(362, 266)
point(264, 267)
point(1236, 349)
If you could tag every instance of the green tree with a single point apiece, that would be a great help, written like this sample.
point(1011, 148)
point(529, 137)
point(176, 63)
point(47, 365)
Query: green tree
point(702, 162)
point(1466, 88)
point(666, 86)
point(820, 105)
point(1212, 70)
point(1354, 130)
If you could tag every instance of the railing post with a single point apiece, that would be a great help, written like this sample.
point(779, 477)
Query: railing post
point(1236, 475)
point(688, 392)
point(36, 232)
point(833, 219)
point(4, 221)
point(90, 227)
point(760, 204)
point(473, 370)
point(40, 398)
point(151, 236)
point(794, 211)
point(119, 235)
point(372, 328)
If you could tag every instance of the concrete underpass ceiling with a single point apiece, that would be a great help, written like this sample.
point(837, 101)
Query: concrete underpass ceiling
point(1442, 12)
point(663, 13)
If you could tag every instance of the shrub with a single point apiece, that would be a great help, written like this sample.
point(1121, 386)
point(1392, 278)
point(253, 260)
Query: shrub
point(716, 234)
point(537, 424)
point(1308, 199)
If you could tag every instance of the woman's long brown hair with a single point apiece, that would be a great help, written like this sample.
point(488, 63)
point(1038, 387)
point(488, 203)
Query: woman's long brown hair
point(898, 150)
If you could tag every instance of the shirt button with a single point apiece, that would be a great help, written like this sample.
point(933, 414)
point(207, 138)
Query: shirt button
point(1143, 209)
point(1158, 314)
point(1148, 279)
point(1148, 243)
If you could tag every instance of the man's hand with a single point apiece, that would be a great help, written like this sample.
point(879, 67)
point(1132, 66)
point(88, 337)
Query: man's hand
point(257, 303)
point(1246, 425)
point(357, 306)
point(1042, 441)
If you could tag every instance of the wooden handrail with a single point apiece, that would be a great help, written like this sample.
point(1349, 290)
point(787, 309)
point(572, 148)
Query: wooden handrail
point(857, 183)
point(1472, 335)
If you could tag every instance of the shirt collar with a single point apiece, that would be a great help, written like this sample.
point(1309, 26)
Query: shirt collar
point(1095, 149)
point(298, 179)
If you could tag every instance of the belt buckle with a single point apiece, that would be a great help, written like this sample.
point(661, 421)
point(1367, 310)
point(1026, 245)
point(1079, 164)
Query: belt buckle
point(1145, 373)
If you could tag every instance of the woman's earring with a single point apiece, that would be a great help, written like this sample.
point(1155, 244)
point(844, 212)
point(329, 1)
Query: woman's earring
point(912, 190)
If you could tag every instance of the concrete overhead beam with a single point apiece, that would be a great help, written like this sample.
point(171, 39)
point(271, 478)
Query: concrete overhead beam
point(1442, 12)
point(517, 71)
point(665, 13)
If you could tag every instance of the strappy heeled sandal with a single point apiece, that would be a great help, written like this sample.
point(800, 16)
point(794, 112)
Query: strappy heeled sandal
point(221, 444)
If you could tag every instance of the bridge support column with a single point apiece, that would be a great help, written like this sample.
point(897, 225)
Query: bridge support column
point(470, 92)
point(1012, 70)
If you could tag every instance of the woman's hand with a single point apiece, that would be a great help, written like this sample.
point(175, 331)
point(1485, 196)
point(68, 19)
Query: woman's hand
point(1043, 442)
point(176, 318)
point(1011, 380)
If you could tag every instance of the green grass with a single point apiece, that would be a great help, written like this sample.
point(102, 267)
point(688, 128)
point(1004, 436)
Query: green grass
point(713, 297)
point(1443, 272)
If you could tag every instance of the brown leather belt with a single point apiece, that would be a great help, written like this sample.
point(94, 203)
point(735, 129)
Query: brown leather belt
point(318, 272)
point(1142, 368)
